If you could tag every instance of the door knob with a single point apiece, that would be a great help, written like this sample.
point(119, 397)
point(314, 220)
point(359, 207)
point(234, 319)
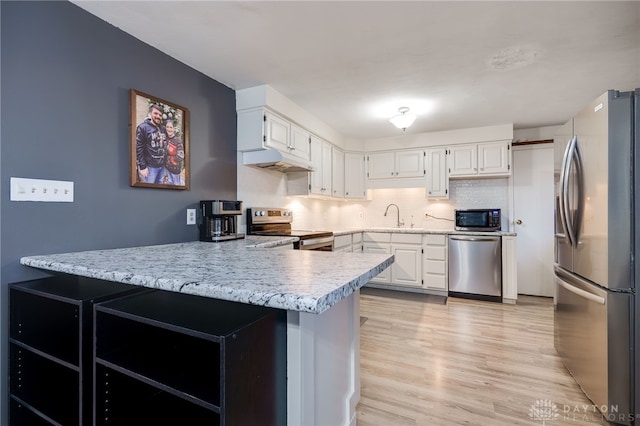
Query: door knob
point(518, 222)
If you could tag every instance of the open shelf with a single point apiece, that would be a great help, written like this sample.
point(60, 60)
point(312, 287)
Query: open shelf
point(50, 351)
point(123, 400)
point(225, 361)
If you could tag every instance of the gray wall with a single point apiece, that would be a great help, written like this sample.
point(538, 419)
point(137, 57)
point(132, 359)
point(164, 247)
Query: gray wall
point(65, 82)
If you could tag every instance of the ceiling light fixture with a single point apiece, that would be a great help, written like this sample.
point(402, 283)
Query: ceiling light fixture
point(403, 119)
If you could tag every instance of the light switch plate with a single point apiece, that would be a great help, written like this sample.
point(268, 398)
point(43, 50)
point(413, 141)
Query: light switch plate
point(25, 189)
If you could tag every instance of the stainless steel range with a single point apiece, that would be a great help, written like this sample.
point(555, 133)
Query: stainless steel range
point(273, 221)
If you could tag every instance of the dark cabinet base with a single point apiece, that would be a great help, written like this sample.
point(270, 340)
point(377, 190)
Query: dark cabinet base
point(91, 352)
point(179, 357)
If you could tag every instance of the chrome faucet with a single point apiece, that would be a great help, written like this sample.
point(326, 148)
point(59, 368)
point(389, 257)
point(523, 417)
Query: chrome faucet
point(399, 224)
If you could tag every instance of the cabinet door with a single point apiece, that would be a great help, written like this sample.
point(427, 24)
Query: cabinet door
point(438, 182)
point(385, 276)
point(299, 145)
point(337, 172)
point(316, 162)
point(494, 158)
point(409, 163)
point(381, 165)
point(463, 160)
point(326, 168)
point(354, 176)
point(406, 269)
point(276, 132)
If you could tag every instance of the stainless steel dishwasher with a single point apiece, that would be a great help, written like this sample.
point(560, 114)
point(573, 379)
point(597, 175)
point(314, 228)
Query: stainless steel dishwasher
point(475, 267)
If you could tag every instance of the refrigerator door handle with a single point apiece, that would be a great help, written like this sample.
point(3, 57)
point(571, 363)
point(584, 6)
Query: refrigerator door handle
point(564, 191)
point(577, 161)
point(573, 159)
point(582, 293)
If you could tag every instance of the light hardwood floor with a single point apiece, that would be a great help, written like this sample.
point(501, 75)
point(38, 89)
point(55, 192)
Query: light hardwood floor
point(467, 362)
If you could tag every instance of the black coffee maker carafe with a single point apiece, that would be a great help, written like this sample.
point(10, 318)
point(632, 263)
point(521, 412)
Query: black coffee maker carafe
point(219, 220)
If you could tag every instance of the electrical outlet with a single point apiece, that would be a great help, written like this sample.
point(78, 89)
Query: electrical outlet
point(361, 215)
point(24, 189)
point(191, 216)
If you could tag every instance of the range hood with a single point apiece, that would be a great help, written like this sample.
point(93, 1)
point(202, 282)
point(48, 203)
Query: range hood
point(274, 160)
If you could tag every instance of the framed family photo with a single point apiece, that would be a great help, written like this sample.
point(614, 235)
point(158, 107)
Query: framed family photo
point(159, 143)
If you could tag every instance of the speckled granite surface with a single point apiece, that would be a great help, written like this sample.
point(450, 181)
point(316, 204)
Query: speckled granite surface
point(420, 231)
point(245, 271)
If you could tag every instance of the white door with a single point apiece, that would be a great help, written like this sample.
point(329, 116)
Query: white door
point(533, 217)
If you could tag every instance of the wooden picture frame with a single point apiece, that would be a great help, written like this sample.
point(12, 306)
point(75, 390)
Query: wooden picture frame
point(158, 159)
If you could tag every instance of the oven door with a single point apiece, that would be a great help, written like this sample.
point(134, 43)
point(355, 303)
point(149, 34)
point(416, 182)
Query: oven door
point(319, 244)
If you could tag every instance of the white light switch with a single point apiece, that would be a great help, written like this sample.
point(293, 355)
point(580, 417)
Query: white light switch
point(24, 189)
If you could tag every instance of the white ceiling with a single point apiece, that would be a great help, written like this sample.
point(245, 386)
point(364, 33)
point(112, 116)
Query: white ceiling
point(475, 63)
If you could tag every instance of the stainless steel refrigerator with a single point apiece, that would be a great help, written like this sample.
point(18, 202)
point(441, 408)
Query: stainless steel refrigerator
point(595, 238)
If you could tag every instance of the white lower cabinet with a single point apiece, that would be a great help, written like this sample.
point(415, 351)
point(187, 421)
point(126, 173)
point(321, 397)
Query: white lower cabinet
point(434, 266)
point(342, 243)
point(379, 243)
point(407, 249)
point(356, 242)
point(407, 268)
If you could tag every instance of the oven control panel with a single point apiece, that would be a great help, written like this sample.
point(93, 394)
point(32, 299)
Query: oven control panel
point(269, 215)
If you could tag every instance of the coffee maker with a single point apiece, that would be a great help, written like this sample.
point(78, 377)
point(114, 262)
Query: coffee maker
point(218, 220)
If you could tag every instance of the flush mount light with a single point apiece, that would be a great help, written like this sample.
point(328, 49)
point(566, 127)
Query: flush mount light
point(403, 119)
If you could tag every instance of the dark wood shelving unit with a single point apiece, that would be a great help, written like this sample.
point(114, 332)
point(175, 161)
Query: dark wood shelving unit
point(50, 355)
point(163, 357)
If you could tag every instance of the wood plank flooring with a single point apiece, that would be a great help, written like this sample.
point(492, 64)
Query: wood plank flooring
point(465, 363)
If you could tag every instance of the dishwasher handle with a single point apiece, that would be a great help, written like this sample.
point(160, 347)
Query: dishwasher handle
point(477, 239)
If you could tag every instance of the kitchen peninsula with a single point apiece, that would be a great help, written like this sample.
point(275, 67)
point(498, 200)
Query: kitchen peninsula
point(318, 290)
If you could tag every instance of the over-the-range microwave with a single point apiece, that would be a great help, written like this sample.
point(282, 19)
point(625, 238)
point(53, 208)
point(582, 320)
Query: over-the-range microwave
point(478, 220)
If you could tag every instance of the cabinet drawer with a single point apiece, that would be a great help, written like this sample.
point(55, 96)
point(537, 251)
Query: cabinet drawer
point(435, 239)
point(406, 238)
point(436, 253)
point(357, 237)
point(435, 267)
point(382, 237)
point(341, 241)
point(436, 282)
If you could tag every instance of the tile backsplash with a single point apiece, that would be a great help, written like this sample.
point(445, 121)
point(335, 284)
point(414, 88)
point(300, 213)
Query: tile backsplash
point(269, 190)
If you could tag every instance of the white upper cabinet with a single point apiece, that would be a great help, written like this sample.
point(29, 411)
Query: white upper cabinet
point(410, 163)
point(354, 176)
point(277, 132)
point(494, 158)
point(437, 177)
point(337, 172)
point(481, 159)
point(321, 161)
point(396, 164)
point(300, 142)
point(260, 128)
point(382, 165)
point(463, 160)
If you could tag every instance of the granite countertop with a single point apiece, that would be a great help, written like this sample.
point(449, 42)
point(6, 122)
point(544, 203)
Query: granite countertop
point(419, 231)
point(245, 271)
